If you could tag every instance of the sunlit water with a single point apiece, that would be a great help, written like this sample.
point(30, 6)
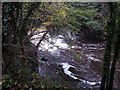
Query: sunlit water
point(56, 44)
point(52, 45)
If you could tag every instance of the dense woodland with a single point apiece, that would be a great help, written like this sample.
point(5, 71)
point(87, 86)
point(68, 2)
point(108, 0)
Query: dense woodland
point(79, 24)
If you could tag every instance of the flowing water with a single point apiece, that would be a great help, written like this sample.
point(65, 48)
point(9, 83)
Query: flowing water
point(81, 62)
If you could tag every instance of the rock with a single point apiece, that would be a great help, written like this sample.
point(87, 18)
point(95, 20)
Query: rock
point(44, 59)
point(73, 70)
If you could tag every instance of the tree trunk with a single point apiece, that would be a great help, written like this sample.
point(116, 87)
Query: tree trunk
point(107, 55)
point(115, 58)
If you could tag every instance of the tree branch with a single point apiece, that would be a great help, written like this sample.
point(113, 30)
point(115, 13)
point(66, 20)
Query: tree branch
point(42, 39)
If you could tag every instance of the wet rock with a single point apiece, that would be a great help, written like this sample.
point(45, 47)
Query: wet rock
point(44, 59)
point(73, 70)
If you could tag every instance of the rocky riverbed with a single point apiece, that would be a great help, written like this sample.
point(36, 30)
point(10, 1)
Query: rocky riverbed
point(74, 66)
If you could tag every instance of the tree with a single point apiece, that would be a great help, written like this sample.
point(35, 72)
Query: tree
point(116, 53)
point(18, 59)
point(109, 45)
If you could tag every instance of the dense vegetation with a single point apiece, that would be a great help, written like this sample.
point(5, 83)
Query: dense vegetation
point(94, 21)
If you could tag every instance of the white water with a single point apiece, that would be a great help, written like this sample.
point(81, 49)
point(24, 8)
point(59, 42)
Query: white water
point(92, 57)
point(88, 82)
point(52, 45)
point(66, 67)
point(75, 47)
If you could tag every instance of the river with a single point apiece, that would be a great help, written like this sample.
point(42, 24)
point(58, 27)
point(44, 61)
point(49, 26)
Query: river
point(79, 64)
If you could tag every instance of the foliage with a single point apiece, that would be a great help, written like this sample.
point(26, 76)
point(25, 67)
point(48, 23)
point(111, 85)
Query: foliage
point(95, 25)
point(14, 35)
point(79, 16)
point(34, 83)
point(55, 18)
